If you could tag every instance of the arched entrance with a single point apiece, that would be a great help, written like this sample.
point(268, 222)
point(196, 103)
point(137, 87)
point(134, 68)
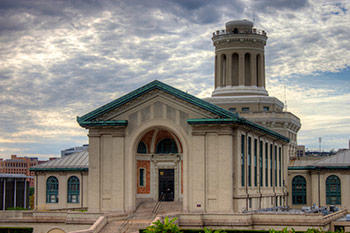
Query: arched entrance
point(159, 166)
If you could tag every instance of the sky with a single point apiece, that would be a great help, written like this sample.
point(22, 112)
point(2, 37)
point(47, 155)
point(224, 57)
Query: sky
point(62, 59)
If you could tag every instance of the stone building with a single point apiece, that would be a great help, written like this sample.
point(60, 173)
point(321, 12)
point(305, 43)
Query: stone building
point(322, 182)
point(159, 143)
point(214, 158)
point(62, 183)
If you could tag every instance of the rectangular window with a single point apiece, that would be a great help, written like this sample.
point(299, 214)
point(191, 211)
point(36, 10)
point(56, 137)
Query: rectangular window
point(142, 177)
point(245, 109)
point(266, 108)
point(276, 166)
point(271, 166)
point(261, 163)
point(242, 160)
point(266, 164)
point(280, 166)
point(255, 162)
point(249, 161)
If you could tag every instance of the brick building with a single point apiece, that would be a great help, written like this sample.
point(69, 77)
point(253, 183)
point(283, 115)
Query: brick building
point(19, 165)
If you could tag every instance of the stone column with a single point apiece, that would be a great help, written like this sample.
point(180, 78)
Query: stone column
point(118, 161)
point(263, 70)
point(219, 71)
point(25, 194)
point(253, 74)
point(94, 191)
point(241, 71)
point(14, 192)
point(216, 71)
point(4, 195)
point(229, 75)
point(197, 173)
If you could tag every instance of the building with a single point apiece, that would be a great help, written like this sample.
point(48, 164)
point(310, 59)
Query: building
point(300, 151)
point(322, 182)
point(72, 150)
point(14, 191)
point(19, 165)
point(240, 81)
point(62, 183)
point(215, 159)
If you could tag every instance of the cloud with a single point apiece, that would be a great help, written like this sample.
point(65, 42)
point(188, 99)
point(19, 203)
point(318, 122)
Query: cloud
point(61, 59)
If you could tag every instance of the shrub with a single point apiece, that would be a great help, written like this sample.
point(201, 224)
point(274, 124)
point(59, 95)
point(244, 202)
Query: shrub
point(168, 226)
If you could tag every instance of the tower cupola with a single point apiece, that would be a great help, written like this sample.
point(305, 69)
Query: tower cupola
point(239, 60)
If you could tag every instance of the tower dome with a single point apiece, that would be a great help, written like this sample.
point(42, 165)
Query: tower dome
point(239, 60)
point(239, 26)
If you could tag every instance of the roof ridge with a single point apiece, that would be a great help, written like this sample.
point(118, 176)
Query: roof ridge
point(161, 86)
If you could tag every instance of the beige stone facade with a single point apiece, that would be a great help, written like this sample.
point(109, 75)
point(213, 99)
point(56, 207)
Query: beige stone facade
point(41, 202)
point(323, 181)
point(158, 143)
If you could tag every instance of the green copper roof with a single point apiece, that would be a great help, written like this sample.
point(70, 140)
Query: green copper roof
point(103, 123)
point(89, 117)
point(320, 168)
point(223, 116)
point(238, 120)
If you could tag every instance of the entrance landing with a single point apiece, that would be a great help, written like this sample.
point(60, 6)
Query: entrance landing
point(143, 216)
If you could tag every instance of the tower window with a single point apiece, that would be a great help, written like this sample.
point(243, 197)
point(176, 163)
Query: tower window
point(245, 109)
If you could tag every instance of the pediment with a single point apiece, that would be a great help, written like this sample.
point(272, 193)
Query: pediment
point(156, 104)
point(152, 101)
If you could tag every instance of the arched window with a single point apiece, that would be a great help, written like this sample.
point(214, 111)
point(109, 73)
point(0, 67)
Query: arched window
point(73, 190)
point(333, 190)
point(52, 190)
point(166, 146)
point(299, 190)
point(247, 69)
point(141, 148)
point(223, 71)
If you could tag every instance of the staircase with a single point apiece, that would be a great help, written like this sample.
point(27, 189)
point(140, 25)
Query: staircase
point(142, 217)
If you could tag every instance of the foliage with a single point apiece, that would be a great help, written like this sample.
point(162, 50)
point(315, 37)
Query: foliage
point(16, 230)
point(284, 230)
point(207, 230)
point(168, 226)
point(31, 191)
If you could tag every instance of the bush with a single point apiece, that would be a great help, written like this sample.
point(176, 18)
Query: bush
point(168, 226)
point(16, 230)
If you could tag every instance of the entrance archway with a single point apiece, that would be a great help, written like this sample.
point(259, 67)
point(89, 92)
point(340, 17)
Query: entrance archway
point(159, 166)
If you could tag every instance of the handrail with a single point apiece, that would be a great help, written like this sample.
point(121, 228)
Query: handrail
point(156, 206)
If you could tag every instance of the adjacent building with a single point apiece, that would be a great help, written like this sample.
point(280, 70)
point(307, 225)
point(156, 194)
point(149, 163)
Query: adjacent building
point(320, 182)
point(73, 150)
point(19, 165)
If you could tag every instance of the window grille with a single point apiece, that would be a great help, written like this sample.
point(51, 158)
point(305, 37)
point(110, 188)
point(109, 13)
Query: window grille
point(52, 190)
point(73, 190)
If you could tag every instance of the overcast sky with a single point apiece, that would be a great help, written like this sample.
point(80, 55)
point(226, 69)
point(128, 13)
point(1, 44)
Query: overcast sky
point(62, 59)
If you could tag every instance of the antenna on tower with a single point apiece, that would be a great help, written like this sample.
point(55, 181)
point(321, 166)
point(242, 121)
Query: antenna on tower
point(285, 97)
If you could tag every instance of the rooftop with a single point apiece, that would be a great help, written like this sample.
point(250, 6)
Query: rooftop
point(75, 162)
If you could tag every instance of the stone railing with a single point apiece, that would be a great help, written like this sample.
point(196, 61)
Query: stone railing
point(96, 227)
point(224, 32)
